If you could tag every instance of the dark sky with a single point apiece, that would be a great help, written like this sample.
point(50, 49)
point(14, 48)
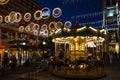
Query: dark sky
point(72, 8)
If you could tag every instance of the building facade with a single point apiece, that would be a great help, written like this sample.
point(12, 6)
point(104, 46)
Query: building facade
point(9, 31)
point(111, 14)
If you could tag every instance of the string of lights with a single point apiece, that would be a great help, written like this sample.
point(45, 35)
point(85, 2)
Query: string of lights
point(99, 22)
point(95, 14)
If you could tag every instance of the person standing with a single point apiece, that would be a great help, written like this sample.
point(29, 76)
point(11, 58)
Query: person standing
point(19, 58)
point(5, 61)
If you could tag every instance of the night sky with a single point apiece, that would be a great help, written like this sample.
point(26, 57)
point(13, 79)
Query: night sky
point(73, 8)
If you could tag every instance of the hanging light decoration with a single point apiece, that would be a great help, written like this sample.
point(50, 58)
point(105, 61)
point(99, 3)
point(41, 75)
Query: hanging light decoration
point(71, 1)
point(45, 13)
point(59, 24)
point(36, 26)
point(27, 28)
point(7, 19)
point(44, 26)
point(46, 32)
point(52, 26)
point(27, 17)
point(18, 17)
point(56, 12)
point(21, 29)
point(2, 2)
point(38, 15)
point(68, 24)
point(35, 32)
point(12, 16)
point(1, 18)
point(41, 32)
point(31, 26)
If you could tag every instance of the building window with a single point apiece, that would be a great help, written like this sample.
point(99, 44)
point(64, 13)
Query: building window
point(111, 2)
point(111, 12)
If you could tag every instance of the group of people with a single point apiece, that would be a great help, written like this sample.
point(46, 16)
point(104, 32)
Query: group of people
point(9, 62)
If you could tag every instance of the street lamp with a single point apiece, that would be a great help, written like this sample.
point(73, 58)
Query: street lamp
point(44, 43)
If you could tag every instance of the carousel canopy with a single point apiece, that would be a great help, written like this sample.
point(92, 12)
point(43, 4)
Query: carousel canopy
point(89, 31)
point(83, 31)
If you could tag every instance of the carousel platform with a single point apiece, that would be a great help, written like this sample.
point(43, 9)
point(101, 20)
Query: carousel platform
point(79, 73)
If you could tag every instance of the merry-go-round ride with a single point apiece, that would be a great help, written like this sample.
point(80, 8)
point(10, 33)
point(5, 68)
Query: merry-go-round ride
point(79, 52)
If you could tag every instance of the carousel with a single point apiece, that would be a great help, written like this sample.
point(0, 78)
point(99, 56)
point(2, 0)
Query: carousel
point(79, 53)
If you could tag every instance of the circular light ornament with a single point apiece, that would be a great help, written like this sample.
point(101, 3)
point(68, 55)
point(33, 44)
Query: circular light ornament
point(1, 19)
point(35, 32)
point(12, 16)
point(44, 26)
point(56, 12)
point(68, 24)
point(36, 26)
point(27, 17)
point(52, 26)
point(27, 28)
point(41, 32)
point(38, 15)
point(21, 29)
point(46, 33)
point(59, 24)
point(18, 17)
point(2, 2)
point(7, 19)
point(31, 26)
point(45, 13)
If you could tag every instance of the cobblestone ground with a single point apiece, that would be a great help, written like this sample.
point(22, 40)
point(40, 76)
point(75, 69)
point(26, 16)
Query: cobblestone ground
point(112, 70)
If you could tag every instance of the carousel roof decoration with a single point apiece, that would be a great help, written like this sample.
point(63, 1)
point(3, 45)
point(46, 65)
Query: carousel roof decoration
point(77, 30)
point(89, 31)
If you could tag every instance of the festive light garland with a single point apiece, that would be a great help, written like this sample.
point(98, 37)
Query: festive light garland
point(99, 22)
point(56, 12)
point(88, 15)
point(27, 28)
point(1, 19)
point(38, 15)
point(31, 26)
point(7, 19)
point(12, 16)
point(59, 24)
point(18, 17)
point(44, 26)
point(41, 32)
point(27, 17)
point(52, 26)
point(46, 32)
point(45, 13)
point(36, 26)
point(35, 32)
point(68, 24)
point(21, 29)
point(70, 1)
point(2, 2)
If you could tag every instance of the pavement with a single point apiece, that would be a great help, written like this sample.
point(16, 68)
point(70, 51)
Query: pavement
point(30, 73)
